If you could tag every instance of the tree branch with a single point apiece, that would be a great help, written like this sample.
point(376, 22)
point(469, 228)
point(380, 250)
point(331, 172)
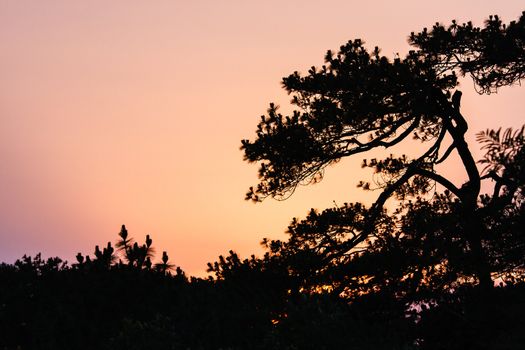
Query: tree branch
point(441, 180)
point(363, 147)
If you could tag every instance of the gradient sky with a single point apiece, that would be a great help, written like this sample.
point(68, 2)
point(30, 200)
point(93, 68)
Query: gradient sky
point(131, 112)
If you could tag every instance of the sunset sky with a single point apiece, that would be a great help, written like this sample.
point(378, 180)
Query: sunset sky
point(132, 112)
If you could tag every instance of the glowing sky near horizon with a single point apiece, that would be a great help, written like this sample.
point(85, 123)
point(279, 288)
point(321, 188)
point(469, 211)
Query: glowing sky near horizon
point(132, 112)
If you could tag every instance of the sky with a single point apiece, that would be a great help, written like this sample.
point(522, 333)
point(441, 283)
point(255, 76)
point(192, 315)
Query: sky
point(132, 112)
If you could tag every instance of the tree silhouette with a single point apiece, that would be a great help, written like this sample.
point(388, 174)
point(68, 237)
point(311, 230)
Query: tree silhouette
point(352, 276)
point(360, 101)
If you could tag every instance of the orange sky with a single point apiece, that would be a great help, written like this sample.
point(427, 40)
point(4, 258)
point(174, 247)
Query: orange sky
point(132, 112)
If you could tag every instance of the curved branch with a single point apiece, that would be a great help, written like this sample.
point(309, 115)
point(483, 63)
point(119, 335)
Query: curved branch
point(451, 113)
point(446, 154)
point(440, 180)
point(364, 147)
point(435, 147)
point(378, 205)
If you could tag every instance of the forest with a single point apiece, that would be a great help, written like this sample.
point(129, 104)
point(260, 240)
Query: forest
point(445, 269)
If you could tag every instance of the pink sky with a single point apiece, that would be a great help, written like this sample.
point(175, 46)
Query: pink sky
point(132, 112)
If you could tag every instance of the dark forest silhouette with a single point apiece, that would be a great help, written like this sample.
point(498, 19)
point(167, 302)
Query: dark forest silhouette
point(445, 270)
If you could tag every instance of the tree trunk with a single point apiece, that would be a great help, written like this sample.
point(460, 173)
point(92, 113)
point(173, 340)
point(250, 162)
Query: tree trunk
point(469, 194)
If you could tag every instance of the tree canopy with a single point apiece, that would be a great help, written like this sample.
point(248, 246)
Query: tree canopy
point(359, 101)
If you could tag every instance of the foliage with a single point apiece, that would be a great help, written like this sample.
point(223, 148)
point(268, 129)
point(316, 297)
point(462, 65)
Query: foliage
point(494, 56)
point(357, 102)
point(503, 210)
